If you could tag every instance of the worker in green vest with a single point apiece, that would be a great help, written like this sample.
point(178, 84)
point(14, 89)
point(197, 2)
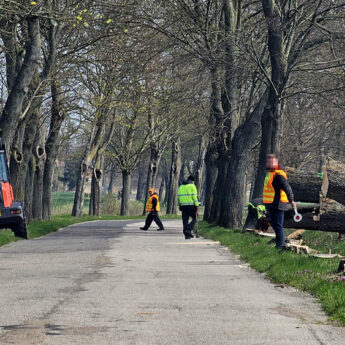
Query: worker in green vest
point(188, 201)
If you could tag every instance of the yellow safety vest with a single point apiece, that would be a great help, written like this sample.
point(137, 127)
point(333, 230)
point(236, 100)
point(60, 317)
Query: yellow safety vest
point(149, 206)
point(269, 192)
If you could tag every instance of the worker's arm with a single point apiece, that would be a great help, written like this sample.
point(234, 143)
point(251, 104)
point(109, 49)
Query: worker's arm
point(154, 204)
point(285, 186)
point(195, 195)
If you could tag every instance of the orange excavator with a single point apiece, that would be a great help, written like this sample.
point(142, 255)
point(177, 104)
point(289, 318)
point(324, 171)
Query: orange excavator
point(11, 212)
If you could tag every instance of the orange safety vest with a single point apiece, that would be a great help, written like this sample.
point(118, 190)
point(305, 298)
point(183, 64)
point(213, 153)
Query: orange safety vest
point(148, 207)
point(269, 192)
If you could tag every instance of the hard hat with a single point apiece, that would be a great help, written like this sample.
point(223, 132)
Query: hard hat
point(151, 190)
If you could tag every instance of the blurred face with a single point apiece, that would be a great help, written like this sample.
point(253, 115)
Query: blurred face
point(150, 193)
point(271, 162)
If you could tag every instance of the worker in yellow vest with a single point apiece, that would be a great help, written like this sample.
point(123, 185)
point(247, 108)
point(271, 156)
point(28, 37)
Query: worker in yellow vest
point(187, 195)
point(277, 196)
point(152, 208)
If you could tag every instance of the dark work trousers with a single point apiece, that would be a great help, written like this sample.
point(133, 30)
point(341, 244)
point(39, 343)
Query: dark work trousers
point(188, 211)
point(153, 216)
point(277, 222)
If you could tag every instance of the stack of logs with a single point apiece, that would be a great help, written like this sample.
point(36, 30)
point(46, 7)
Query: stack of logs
point(320, 197)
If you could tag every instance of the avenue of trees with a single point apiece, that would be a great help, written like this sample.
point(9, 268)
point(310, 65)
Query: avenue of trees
point(164, 89)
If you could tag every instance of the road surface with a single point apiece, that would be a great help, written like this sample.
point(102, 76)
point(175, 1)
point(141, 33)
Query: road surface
point(106, 282)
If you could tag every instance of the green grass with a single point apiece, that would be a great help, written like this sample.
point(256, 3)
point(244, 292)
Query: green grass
point(313, 275)
point(62, 203)
point(324, 241)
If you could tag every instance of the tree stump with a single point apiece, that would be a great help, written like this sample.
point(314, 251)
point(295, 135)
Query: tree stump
point(333, 185)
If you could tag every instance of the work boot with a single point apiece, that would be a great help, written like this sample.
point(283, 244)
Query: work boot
point(160, 229)
point(143, 229)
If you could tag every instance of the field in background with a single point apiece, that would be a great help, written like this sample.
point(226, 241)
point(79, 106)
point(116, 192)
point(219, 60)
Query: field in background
point(110, 205)
point(62, 203)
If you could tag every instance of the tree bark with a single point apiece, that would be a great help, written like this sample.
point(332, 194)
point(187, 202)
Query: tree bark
point(161, 190)
point(40, 156)
point(271, 116)
point(199, 169)
point(58, 115)
point(332, 221)
point(141, 183)
point(219, 191)
point(111, 181)
point(306, 187)
point(29, 186)
point(265, 148)
point(96, 183)
point(174, 177)
point(126, 192)
point(245, 135)
point(182, 174)
point(13, 106)
point(78, 203)
point(210, 180)
point(155, 158)
point(21, 153)
point(333, 185)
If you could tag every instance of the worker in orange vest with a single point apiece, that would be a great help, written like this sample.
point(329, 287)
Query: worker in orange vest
point(276, 197)
point(152, 208)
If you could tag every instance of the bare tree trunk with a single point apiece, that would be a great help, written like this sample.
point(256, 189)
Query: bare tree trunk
point(182, 175)
point(232, 208)
point(126, 192)
point(13, 106)
point(161, 189)
point(219, 191)
point(39, 154)
point(96, 183)
point(29, 185)
point(166, 184)
point(210, 180)
point(217, 149)
point(78, 203)
point(174, 177)
point(199, 169)
point(271, 118)
point(141, 182)
point(21, 153)
point(152, 170)
point(111, 181)
point(58, 115)
point(265, 148)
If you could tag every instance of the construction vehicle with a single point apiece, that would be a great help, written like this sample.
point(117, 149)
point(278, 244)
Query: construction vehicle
point(11, 212)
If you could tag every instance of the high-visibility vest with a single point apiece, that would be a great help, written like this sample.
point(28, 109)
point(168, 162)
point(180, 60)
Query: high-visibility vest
point(188, 195)
point(149, 206)
point(269, 192)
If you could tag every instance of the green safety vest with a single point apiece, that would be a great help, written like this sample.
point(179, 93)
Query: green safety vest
point(187, 195)
point(260, 209)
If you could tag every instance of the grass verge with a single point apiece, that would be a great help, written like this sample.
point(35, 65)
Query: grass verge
point(316, 276)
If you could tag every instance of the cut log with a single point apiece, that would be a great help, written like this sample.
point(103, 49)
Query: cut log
point(306, 187)
point(333, 185)
point(252, 217)
point(306, 223)
point(332, 221)
point(302, 208)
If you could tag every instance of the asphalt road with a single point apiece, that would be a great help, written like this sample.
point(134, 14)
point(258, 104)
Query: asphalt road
point(106, 282)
